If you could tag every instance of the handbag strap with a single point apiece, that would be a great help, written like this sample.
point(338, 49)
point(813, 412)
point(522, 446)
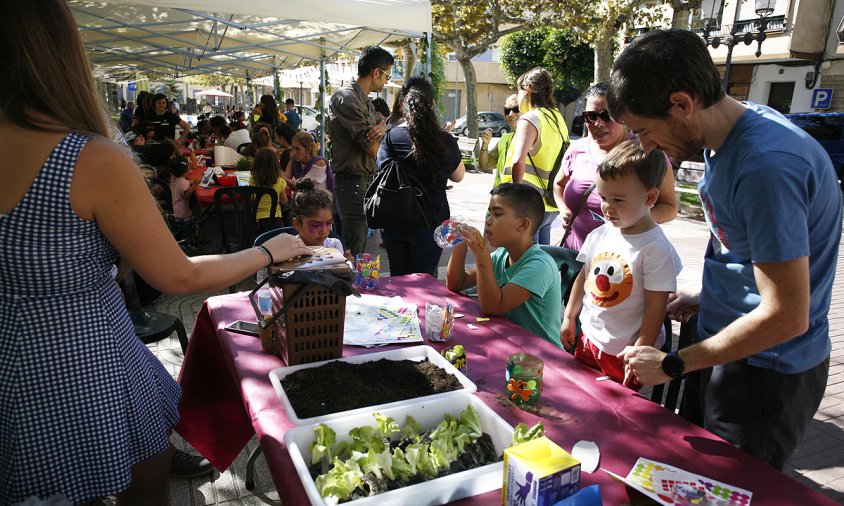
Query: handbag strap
point(576, 210)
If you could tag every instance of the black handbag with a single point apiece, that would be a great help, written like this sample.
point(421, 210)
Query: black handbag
point(396, 198)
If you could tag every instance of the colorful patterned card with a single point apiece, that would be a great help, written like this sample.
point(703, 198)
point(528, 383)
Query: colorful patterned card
point(657, 480)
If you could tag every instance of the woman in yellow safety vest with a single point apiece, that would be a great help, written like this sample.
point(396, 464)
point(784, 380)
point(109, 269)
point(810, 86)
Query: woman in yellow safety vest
point(541, 138)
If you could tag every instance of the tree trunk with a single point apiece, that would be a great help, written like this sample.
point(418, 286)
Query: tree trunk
point(409, 61)
point(471, 102)
point(682, 19)
point(603, 59)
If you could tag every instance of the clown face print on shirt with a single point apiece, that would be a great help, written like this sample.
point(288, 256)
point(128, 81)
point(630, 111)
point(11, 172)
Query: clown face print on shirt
point(609, 281)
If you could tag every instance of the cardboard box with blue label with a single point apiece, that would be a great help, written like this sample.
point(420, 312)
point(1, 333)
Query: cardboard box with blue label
point(538, 473)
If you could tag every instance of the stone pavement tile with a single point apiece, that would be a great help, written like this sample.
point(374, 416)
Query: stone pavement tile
point(834, 490)
point(831, 412)
point(829, 469)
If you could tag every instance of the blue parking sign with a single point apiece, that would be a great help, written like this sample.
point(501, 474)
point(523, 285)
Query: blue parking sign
point(822, 98)
point(132, 86)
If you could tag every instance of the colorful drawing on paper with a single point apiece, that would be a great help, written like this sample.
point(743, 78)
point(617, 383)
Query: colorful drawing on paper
point(666, 483)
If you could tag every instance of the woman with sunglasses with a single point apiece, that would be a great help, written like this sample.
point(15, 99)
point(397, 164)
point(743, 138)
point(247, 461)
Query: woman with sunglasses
point(580, 167)
point(496, 157)
point(540, 138)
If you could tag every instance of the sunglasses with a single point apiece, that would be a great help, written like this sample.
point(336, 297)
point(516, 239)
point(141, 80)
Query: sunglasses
point(508, 110)
point(386, 73)
point(592, 116)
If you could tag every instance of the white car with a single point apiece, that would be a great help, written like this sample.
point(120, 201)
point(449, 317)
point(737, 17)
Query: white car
point(309, 118)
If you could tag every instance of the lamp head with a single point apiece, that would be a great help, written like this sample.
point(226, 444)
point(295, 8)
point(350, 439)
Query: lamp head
point(765, 8)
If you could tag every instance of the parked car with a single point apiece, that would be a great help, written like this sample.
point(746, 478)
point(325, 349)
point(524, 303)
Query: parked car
point(828, 129)
point(486, 119)
point(309, 118)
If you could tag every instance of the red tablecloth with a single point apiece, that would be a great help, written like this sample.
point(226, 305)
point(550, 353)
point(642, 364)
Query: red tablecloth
point(204, 195)
point(227, 396)
point(186, 151)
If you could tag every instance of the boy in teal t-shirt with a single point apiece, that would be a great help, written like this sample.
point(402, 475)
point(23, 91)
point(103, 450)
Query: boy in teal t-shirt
point(518, 280)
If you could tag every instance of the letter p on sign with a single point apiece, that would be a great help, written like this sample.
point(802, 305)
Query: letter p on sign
point(822, 98)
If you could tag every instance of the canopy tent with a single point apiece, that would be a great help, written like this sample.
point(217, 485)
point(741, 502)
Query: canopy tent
point(338, 74)
point(213, 93)
point(191, 37)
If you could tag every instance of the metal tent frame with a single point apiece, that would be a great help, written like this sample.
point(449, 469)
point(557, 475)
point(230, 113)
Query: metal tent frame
point(256, 38)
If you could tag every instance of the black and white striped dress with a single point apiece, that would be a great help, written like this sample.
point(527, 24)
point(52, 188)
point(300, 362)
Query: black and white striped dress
point(81, 398)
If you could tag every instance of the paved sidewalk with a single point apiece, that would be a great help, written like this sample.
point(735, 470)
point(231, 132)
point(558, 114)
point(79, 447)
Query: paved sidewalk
point(818, 462)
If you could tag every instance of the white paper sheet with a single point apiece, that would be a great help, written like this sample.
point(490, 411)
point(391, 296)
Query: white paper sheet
point(373, 320)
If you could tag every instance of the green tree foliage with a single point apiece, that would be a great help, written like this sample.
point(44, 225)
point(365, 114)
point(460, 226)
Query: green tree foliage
point(600, 24)
point(470, 27)
point(437, 74)
point(173, 89)
point(570, 63)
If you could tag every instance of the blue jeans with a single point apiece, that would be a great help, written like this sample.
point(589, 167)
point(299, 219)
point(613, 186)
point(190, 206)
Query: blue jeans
point(350, 191)
point(543, 233)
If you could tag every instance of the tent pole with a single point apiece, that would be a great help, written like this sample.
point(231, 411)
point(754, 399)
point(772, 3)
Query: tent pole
point(276, 84)
point(428, 62)
point(322, 89)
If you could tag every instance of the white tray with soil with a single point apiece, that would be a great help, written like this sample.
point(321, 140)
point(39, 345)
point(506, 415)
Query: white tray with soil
point(324, 391)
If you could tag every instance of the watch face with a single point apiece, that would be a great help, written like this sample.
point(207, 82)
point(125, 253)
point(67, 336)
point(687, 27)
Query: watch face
point(673, 366)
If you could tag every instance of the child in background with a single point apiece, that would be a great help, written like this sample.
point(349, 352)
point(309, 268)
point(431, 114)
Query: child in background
point(518, 280)
point(265, 172)
point(304, 162)
point(181, 188)
point(629, 266)
point(313, 217)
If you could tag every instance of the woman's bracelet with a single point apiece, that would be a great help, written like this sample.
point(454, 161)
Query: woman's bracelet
point(267, 254)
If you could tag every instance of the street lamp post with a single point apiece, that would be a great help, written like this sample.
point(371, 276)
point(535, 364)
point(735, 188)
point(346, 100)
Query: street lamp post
point(710, 17)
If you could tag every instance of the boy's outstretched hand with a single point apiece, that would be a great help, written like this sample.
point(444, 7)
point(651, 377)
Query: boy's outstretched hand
point(568, 333)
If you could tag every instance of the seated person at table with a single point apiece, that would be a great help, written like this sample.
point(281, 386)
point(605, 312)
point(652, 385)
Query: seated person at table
point(266, 172)
point(313, 216)
point(518, 280)
point(261, 138)
point(180, 188)
point(629, 266)
point(157, 156)
point(237, 137)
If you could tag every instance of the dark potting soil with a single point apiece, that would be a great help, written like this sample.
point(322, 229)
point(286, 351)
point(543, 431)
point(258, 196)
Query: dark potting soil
point(341, 386)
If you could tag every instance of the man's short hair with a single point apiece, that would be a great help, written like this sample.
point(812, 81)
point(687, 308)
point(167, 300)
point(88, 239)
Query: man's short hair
point(289, 101)
point(524, 200)
point(217, 121)
point(629, 157)
point(655, 65)
point(373, 57)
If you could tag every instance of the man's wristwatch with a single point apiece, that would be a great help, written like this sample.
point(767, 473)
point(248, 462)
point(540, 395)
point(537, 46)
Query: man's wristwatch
point(673, 366)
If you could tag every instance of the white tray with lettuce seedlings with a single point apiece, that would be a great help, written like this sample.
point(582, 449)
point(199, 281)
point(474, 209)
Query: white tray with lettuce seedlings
point(433, 451)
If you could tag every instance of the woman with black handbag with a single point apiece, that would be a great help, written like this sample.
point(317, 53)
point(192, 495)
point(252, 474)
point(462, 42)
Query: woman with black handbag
point(427, 157)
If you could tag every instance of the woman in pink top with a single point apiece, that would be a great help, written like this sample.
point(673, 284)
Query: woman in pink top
point(580, 167)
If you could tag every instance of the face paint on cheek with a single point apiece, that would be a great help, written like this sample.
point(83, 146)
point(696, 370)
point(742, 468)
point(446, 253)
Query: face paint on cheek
point(314, 227)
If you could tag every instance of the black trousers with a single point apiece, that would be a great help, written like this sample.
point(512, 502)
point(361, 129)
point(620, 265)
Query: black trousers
point(761, 411)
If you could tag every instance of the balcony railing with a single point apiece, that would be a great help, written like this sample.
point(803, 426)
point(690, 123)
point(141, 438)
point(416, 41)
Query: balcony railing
point(775, 24)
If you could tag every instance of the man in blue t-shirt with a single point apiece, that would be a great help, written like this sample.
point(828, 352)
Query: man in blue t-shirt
point(773, 205)
point(293, 118)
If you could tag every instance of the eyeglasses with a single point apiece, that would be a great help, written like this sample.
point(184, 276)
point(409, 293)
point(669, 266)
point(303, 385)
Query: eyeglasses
point(508, 110)
point(386, 73)
point(592, 116)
